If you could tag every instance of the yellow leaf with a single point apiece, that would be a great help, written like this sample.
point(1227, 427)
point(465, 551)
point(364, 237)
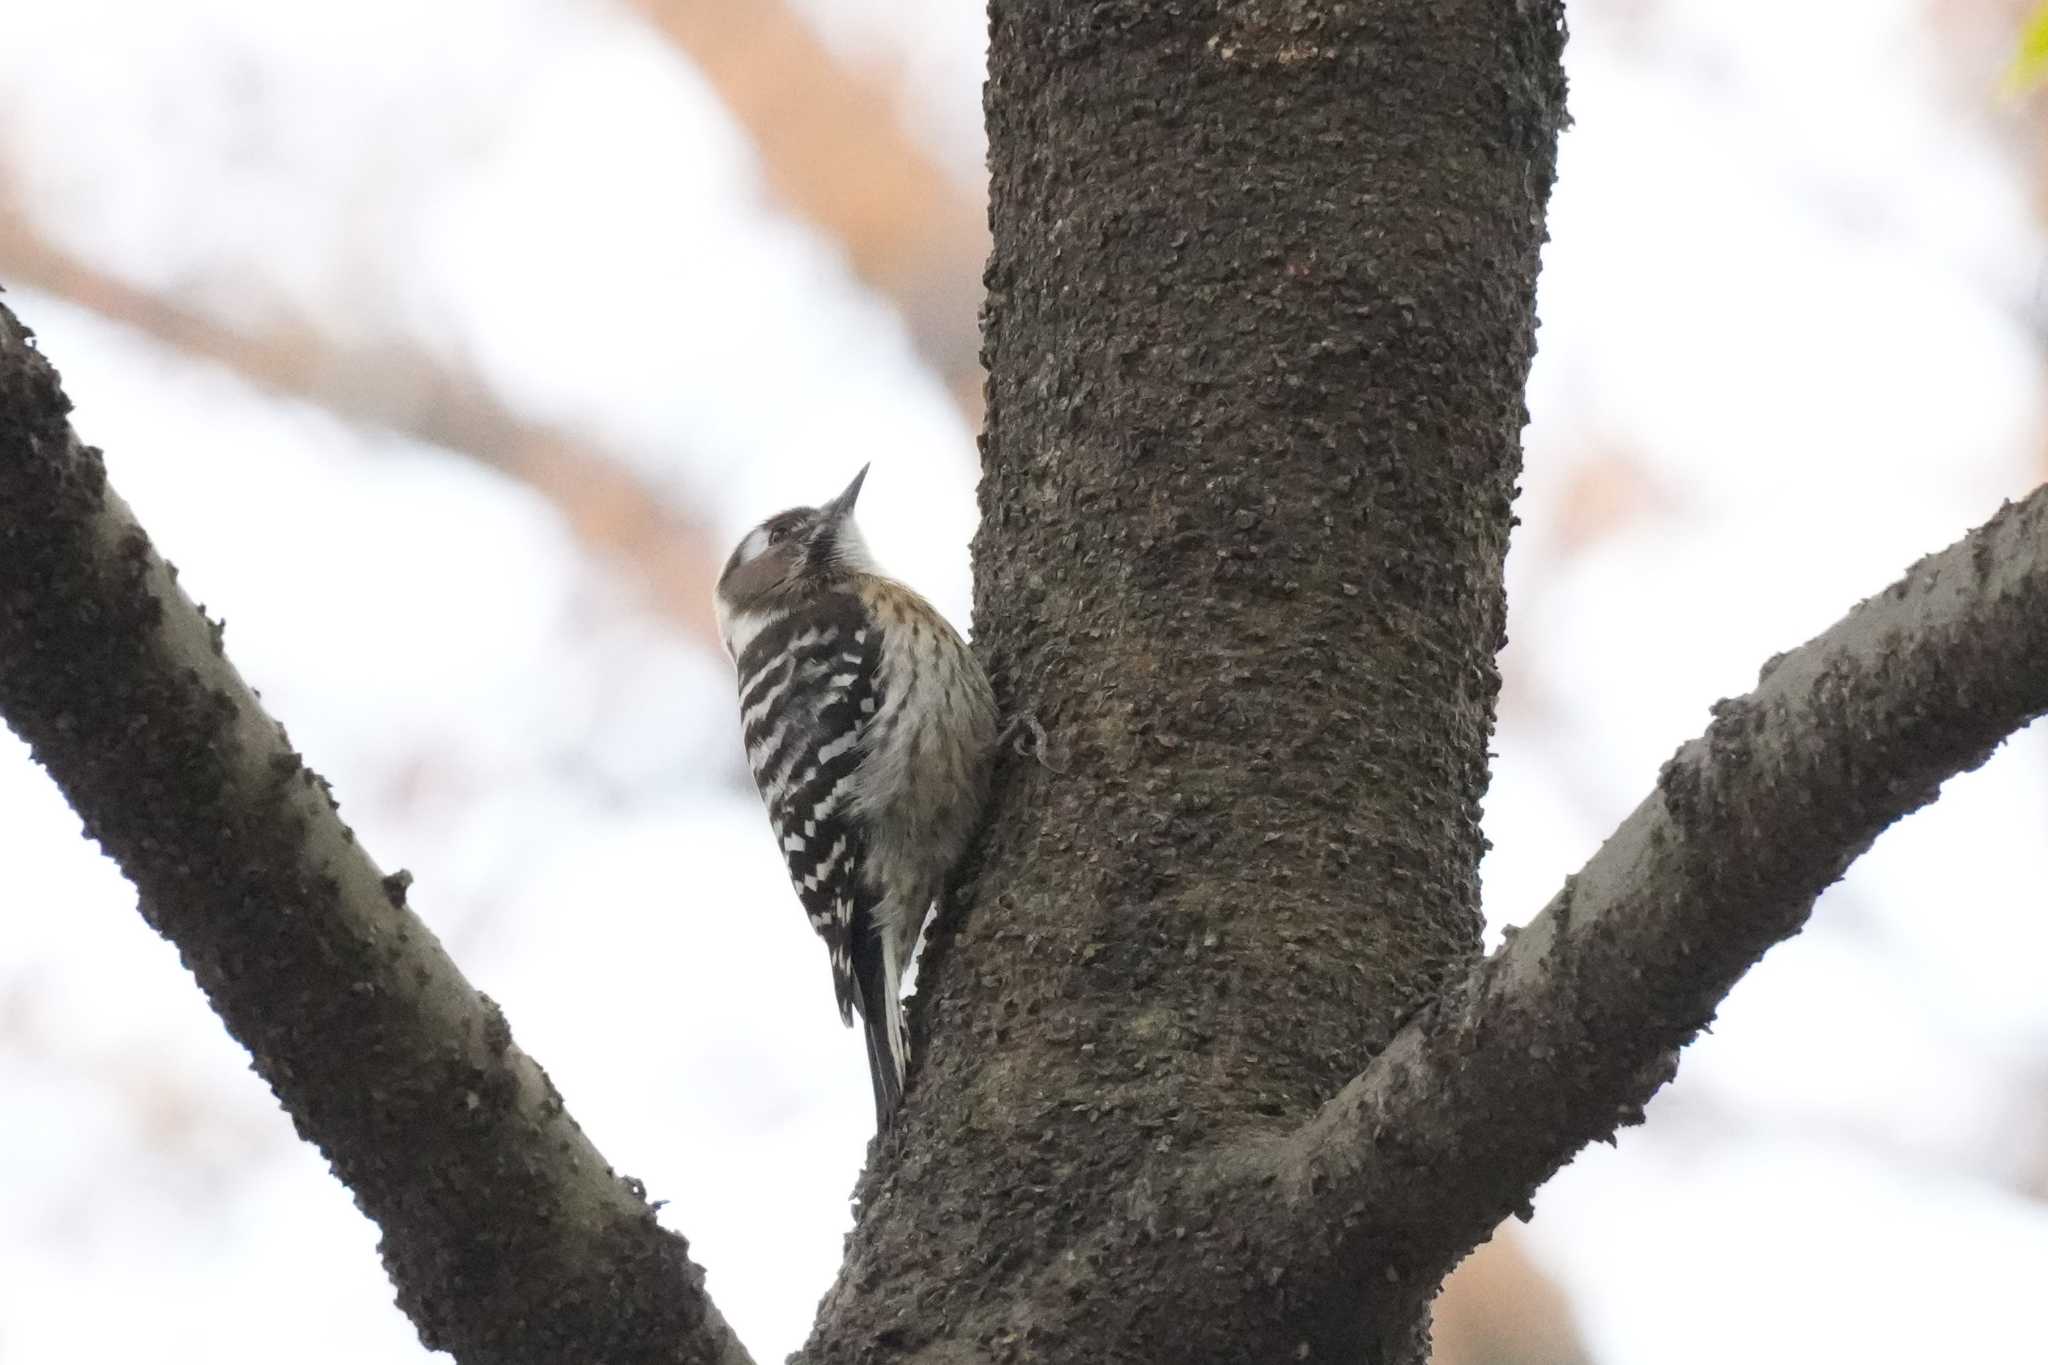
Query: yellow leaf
point(2029, 66)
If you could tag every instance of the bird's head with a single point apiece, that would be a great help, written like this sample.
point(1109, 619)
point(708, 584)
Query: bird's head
point(792, 555)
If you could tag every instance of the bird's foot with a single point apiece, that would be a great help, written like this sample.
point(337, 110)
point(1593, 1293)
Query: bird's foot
point(1027, 737)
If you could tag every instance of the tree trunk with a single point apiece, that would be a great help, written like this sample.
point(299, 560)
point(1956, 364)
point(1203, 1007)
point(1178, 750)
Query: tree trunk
point(1259, 318)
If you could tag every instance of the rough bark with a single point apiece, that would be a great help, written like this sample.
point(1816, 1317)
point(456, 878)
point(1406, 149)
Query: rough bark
point(1565, 1033)
point(508, 1237)
point(1260, 314)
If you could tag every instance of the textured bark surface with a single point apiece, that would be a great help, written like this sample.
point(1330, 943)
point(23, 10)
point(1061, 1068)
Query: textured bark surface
point(508, 1237)
point(1260, 314)
point(1563, 1035)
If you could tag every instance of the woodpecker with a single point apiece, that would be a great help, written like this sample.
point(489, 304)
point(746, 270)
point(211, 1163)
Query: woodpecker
point(870, 728)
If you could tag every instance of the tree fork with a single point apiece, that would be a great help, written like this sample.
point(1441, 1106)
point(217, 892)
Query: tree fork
point(1562, 1036)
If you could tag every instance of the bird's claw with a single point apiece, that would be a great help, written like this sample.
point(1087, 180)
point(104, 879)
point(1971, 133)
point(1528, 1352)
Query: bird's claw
point(1038, 744)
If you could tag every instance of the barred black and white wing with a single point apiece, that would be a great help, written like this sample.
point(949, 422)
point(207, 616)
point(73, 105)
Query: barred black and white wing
point(807, 692)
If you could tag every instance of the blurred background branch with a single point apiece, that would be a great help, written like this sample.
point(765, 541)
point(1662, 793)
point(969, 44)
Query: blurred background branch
point(834, 147)
point(616, 512)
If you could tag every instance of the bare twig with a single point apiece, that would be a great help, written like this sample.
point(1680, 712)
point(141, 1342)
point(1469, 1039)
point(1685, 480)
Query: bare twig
point(508, 1237)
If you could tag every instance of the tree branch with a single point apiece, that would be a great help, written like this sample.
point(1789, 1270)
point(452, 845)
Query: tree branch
point(1565, 1033)
point(508, 1237)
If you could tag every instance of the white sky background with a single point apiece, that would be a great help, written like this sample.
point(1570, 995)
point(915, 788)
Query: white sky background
point(1792, 282)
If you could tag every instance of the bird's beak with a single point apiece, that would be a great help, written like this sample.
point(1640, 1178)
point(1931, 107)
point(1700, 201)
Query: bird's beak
point(841, 507)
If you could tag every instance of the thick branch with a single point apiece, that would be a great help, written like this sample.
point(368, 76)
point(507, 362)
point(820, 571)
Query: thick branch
point(1565, 1033)
point(508, 1237)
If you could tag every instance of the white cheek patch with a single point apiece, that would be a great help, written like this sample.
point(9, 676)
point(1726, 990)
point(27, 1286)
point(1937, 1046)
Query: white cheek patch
point(737, 628)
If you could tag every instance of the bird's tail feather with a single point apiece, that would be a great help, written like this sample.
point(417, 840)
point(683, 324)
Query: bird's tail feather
point(881, 1015)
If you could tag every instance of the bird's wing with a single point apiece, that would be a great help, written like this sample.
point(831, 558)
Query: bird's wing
point(805, 703)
